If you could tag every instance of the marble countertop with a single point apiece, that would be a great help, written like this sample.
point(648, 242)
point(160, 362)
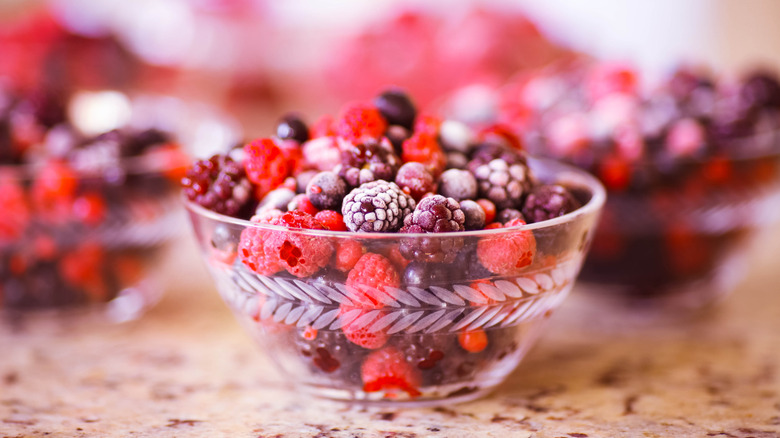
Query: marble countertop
point(187, 369)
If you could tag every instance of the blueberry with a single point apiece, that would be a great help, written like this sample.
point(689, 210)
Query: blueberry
point(292, 127)
point(396, 107)
point(326, 191)
point(475, 215)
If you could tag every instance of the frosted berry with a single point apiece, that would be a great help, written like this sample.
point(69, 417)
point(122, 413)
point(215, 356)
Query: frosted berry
point(266, 166)
point(322, 153)
point(368, 161)
point(370, 278)
point(377, 206)
point(292, 127)
point(508, 214)
point(348, 252)
point(508, 254)
point(301, 202)
point(218, 184)
point(359, 332)
point(331, 220)
point(474, 214)
point(396, 107)
point(360, 122)
point(387, 370)
point(503, 183)
point(415, 179)
point(434, 214)
point(276, 199)
point(547, 202)
point(423, 148)
point(458, 184)
point(301, 255)
point(326, 190)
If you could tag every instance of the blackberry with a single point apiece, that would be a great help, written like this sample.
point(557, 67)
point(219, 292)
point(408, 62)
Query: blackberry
point(377, 206)
point(292, 127)
point(396, 107)
point(503, 183)
point(218, 184)
point(760, 90)
point(475, 215)
point(434, 214)
point(548, 202)
point(368, 161)
point(458, 184)
point(326, 190)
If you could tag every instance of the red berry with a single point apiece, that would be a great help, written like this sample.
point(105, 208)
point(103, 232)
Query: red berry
point(387, 370)
point(509, 253)
point(301, 202)
point(370, 277)
point(423, 148)
point(81, 267)
point(310, 333)
point(358, 121)
point(499, 133)
point(615, 172)
point(293, 153)
point(89, 209)
point(610, 78)
point(55, 181)
point(415, 179)
point(331, 220)
point(427, 124)
point(360, 333)
point(301, 255)
point(251, 248)
point(348, 252)
point(15, 211)
point(324, 127)
point(266, 165)
point(473, 341)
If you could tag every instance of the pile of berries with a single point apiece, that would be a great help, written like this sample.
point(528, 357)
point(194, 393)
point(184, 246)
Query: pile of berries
point(64, 198)
point(376, 168)
point(693, 143)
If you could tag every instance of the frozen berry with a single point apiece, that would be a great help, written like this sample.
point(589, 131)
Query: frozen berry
point(424, 275)
point(458, 184)
point(359, 122)
point(348, 252)
point(266, 166)
point(359, 332)
point(490, 209)
point(326, 190)
point(218, 184)
point(301, 202)
point(396, 107)
point(323, 127)
point(370, 278)
point(456, 137)
point(377, 206)
point(474, 213)
point(251, 249)
point(508, 254)
point(415, 179)
point(276, 199)
point(503, 183)
point(387, 370)
point(331, 220)
point(322, 153)
point(368, 161)
point(473, 341)
point(301, 255)
point(508, 214)
point(423, 148)
point(397, 136)
point(434, 214)
point(292, 127)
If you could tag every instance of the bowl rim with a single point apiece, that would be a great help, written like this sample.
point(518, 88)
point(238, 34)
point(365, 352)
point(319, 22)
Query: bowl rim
point(563, 173)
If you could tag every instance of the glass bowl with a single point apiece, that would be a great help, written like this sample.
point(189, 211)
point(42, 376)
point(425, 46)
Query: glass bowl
point(85, 233)
point(447, 332)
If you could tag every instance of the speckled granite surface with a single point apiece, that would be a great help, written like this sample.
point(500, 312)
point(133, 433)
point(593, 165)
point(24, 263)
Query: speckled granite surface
point(186, 369)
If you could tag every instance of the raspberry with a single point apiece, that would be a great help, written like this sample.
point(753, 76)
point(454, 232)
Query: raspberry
point(322, 153)
point(55, 181)
point(361, 335)
point(396, 107)
point(387, 370)
point(368, 161)
point(348, 252)
point(370, 277)
point(415, 179)
point(377, 206)
point(301, 255)
point(428, 124)
point(508, 254)
point(458, 184)
point(434, 214)
point(548, 202)
point(324, 127)
point(269, 251)
point(331, 220)
point(358, 122)
point(292, 127)
point(326, 190)
point(266, 166)
point(218, 184)
point(423, 148)
point(607, 79)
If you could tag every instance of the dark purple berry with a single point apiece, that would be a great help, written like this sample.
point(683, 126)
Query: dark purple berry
point(458, 184)
point(503, 183)
point(292, 127)
point(508, 214)
point(548, 202)
point(475, 215)
point(368, 161)
point(397, 136)
point(423, 275)
point(326, 191)
point(396, 107)
point(760, 90)
point(434, 214)
point(377, 206)
point(218, 184)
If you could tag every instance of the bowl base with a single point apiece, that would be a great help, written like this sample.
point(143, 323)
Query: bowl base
point(449, 395)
